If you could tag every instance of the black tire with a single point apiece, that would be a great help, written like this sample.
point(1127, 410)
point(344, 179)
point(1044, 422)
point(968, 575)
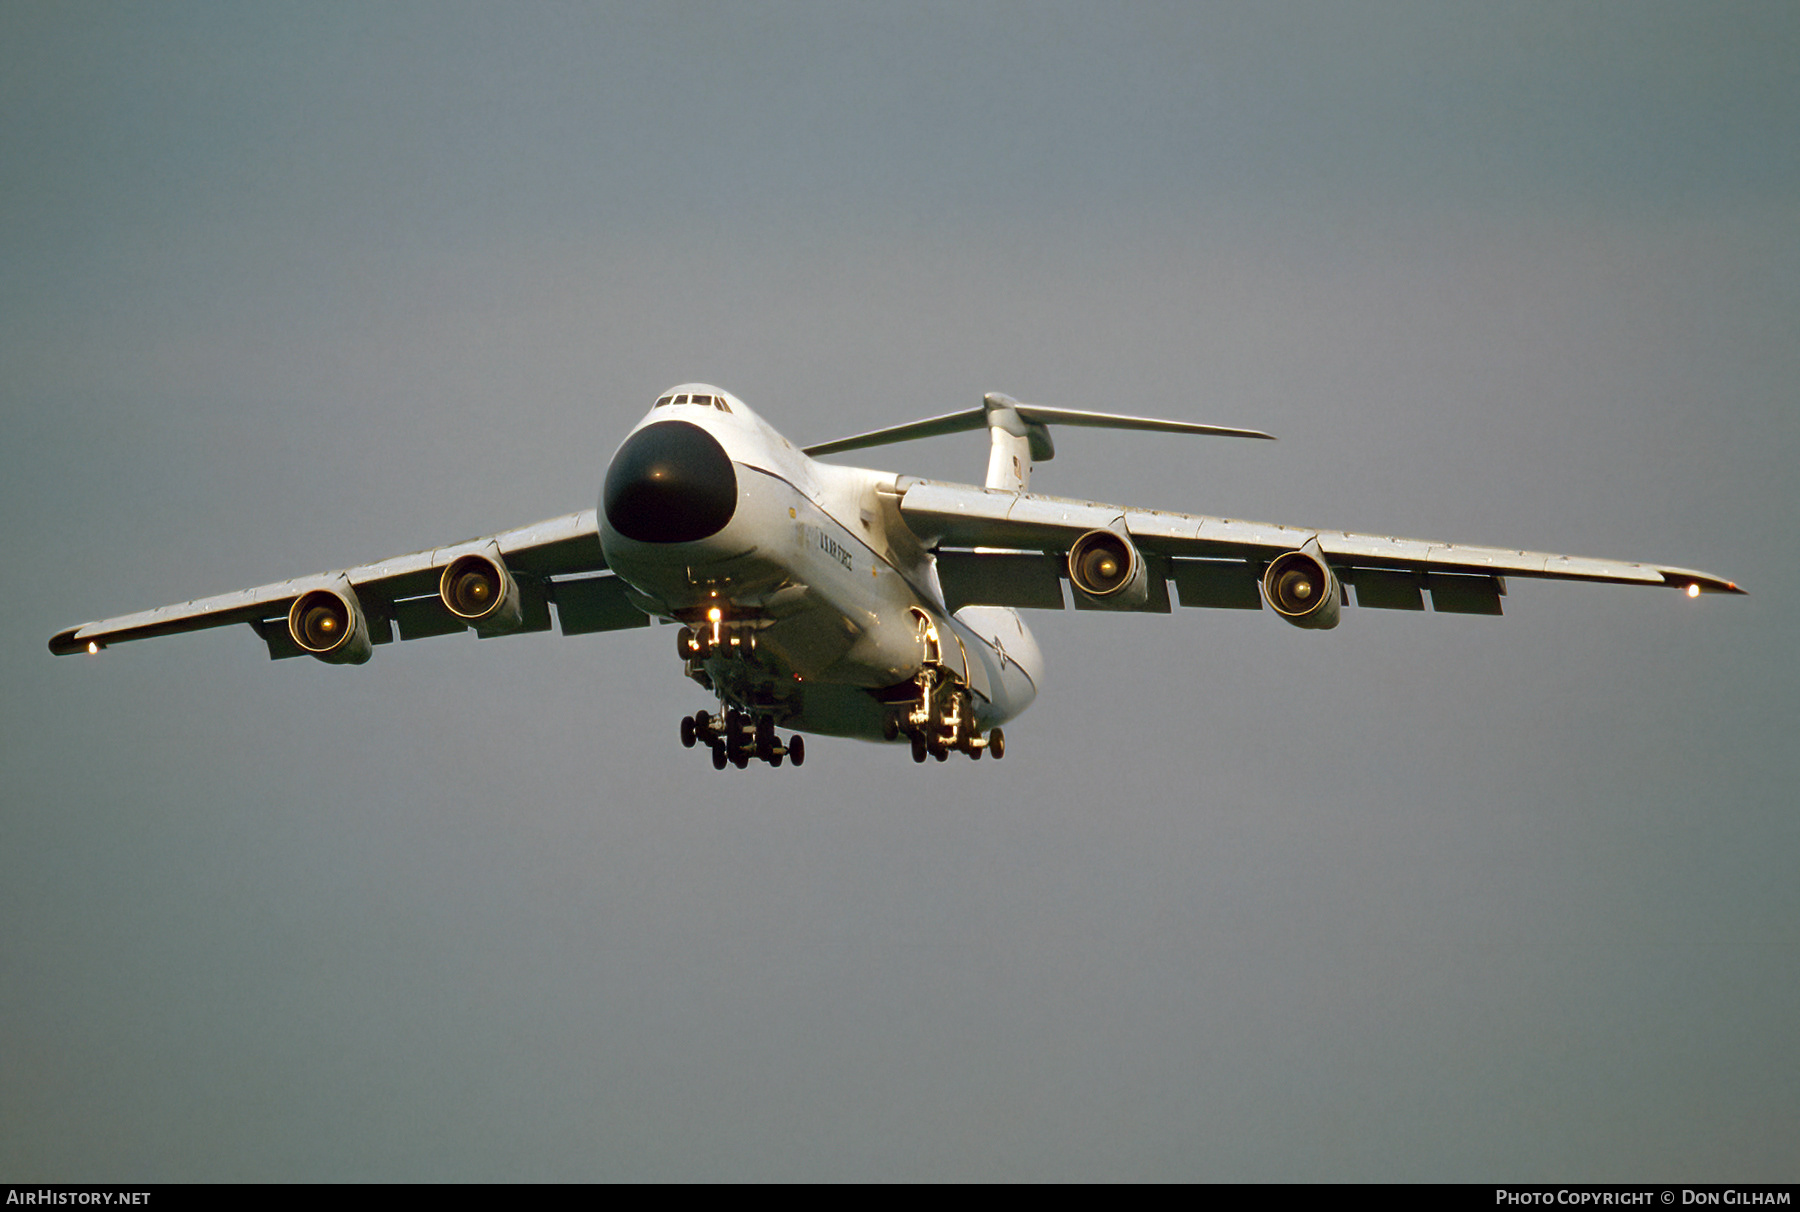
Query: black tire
point(941, 754)
point(918, 747)
point(997, 742)
point(718, 756)
point(740, 759)
point(683, 639)
point(890, 727)
point(975, 753)
point(687, 732)
point(796, 748)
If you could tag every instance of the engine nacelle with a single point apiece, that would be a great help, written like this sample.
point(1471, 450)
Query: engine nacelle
point(1302, 589)
point(1104, 565)
point(477, 587)
point(329, 624)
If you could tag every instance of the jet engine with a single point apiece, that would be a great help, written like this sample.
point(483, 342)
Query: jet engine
point(1301, 588)
point(477, 587)
point(329, 624)
point(1105, 566)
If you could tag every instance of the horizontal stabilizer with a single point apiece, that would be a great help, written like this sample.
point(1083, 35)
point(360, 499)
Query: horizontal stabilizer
point(930, 427)
point(1108, 420)
point(1032, 414)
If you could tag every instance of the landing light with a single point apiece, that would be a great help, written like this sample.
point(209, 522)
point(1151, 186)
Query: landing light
point(1693, 591)
point(715, 614)
point(93, 648)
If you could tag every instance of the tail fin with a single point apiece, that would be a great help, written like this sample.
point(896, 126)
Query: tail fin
point(1020, 434)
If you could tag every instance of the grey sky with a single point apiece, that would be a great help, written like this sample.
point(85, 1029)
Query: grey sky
point(291, 287)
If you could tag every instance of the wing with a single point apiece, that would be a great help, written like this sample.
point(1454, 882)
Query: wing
point(1220, 561)
point(556, 562)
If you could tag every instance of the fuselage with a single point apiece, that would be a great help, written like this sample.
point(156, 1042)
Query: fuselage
point(712, 516)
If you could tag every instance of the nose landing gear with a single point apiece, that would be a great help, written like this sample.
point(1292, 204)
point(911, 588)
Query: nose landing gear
point(736, 738)
point(715, 635)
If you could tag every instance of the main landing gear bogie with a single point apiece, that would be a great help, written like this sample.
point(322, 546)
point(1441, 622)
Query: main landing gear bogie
point(737, 738)
point(941, 720)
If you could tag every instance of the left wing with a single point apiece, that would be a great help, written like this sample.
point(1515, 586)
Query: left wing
point(525, 570)
point(1218, 561)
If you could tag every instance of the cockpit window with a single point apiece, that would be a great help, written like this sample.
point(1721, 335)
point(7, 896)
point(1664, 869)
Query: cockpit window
point(703, 401)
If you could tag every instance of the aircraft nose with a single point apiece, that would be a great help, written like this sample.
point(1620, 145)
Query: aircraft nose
point(670, 483)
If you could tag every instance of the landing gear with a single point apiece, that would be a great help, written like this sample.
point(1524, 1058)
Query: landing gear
point(716, 635)
point(737, 737)
point(719, 652)
point(941, 719)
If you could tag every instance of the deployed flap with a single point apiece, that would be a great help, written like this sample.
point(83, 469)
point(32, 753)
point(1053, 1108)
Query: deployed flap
point(588, 604)
point(1383, 589)
point(1454, 594)
point(1217, 584)
point(1000, 578)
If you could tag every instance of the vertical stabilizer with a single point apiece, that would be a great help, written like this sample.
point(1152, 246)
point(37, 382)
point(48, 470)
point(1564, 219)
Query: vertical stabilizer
point(1016, 444)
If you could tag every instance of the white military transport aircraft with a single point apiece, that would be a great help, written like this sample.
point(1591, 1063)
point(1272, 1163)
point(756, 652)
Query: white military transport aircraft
point(849, 602)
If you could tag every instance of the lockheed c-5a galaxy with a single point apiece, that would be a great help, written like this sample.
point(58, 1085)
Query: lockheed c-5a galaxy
point(849, 602)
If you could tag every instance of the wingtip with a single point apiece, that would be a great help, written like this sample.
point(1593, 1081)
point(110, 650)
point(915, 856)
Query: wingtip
point(64, 643)
point(1693, 584)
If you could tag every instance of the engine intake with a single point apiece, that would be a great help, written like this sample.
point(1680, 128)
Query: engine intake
point(477, 587)
point(1303, 590)
point(1105, 566)
point(329, 624)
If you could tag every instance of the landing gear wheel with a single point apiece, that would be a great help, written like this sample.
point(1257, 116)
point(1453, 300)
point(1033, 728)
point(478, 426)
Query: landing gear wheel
point(890, 727)
point(941, 754)
point(684, 640)
point(975, 751)
point(734, 737)
point(765, 738)
point(687, 732)
point(796, 751)
point(740, 759)
point(718, 755)
point(918, 747)
point(997, 742)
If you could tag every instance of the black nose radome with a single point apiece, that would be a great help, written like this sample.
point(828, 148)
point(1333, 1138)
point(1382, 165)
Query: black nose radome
point(670, 483)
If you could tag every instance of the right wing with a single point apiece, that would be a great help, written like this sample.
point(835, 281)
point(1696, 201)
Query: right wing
point(556, 561)
point(1219, 561)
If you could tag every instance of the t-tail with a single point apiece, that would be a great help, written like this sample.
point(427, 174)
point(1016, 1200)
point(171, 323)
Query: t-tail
point(1019, 434)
